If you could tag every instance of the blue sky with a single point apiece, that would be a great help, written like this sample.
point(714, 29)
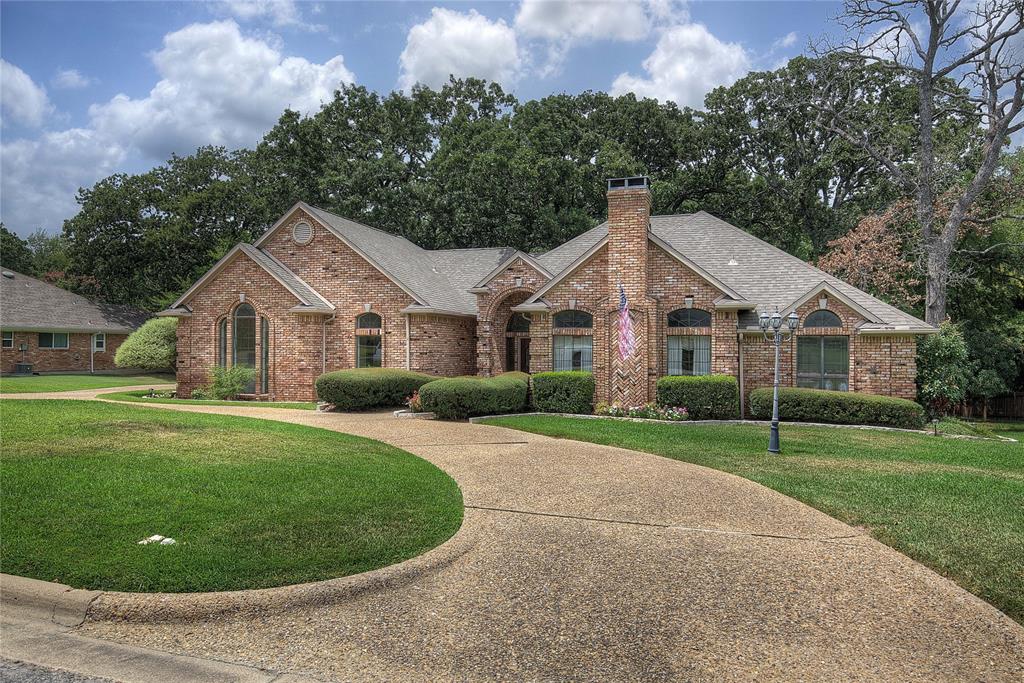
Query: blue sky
point(90, 89)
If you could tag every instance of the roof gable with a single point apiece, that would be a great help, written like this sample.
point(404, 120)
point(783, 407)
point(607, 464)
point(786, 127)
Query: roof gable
point(309, 299)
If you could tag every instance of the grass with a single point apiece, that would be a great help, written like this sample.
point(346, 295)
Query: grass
point(955, 505)
point(251, 503)
point(139, 397)
point(49, 383)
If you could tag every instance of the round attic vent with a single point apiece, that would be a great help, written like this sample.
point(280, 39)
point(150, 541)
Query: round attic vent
point(302, 233)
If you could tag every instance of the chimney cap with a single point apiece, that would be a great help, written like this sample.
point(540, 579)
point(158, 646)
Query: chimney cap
point(639, 182)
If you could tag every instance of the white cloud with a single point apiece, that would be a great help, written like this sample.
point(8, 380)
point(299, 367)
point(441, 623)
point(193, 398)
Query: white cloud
point(277, 12)
point(463, 45)
point(563, 24)
point(687, 63)
point(40, 177)
point(22, 100)
point(216, 86)
point(69, 79)
point(788, 40)
point(590, 20)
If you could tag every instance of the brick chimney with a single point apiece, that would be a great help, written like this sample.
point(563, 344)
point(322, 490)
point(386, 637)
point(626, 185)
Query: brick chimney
point(629, 220)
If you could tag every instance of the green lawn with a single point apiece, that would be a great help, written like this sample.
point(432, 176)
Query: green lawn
point(138, 397)
point(38, 383)
point(251, 503)
point(954, 505)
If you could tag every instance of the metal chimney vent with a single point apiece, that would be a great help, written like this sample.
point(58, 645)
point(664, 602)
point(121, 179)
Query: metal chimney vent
point(639, 182)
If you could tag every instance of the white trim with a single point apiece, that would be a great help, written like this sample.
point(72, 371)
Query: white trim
point(825, 286)
point(67, 340)
point(480, 288)
point(429, 310)
point(723, 304)
point(708, 277)
point(95, 336)
point(897, 331)
point(572, 267)
point(3, 344)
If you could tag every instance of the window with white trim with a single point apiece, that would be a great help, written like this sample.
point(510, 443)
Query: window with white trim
point(53, 340)
point(8, 340)
point(99, 341)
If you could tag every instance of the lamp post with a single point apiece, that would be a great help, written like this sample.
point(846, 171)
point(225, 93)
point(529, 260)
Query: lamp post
point(771, 326)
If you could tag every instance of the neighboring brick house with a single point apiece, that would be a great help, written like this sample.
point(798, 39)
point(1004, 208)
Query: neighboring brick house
point(318, 292)
point(53, 330)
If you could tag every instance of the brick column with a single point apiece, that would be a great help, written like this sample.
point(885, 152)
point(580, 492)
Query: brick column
point(629, 219)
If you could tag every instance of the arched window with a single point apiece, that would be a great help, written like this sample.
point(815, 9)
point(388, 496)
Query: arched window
point(368, 321)
point(822, 318)
point(689, 317)
point(244, 335)
point(519, 322)
point(575, 319)
point(222, 342)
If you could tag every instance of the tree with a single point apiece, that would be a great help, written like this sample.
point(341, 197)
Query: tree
point(151, 347)
point(942, 369)
point(986, 385)
point(965, 66)
point(15, 252)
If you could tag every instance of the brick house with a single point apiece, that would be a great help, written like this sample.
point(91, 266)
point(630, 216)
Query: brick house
point(53, 330)
point(318, 292)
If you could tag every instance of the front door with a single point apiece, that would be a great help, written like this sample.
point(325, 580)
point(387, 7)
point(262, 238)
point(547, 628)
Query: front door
point(524, 354)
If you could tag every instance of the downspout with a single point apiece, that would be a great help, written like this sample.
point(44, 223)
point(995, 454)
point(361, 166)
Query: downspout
point(408, 343)
point(743, 411)
point(92, 353)
point(323, 349)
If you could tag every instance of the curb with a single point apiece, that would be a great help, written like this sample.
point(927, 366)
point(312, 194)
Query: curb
point(45, 601)
point(761, 423)
point(73, 607)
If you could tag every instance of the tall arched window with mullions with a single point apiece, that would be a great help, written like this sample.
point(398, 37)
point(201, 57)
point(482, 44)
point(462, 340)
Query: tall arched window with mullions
point(368, 341)
point(243, 333)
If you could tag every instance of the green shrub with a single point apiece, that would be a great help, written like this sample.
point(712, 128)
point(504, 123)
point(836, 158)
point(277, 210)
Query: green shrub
point(838, 407)
point(368, 388)
point(228, 383)
point(461, 397)
point(705, 397)
point(943, 369)
point(151, 347)
point(564, 392)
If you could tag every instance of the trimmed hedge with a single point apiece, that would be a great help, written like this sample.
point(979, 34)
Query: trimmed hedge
point(368, 388)
point(705, 397)
point(457, 398)
point(838, 407)
point(564, 392)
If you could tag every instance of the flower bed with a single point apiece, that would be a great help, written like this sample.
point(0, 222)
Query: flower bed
point(649, 411)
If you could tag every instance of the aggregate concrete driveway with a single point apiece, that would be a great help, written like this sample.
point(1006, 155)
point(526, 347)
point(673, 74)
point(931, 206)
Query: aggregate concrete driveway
point(587, 562)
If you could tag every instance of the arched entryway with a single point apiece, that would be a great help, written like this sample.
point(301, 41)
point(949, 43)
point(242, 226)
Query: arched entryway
point(517, 343)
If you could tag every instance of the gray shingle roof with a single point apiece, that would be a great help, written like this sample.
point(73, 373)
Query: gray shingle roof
point(30, 304)
point(756, 270)
point(437, 279)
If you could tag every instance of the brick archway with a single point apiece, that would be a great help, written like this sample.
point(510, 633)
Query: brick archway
point(491, 339)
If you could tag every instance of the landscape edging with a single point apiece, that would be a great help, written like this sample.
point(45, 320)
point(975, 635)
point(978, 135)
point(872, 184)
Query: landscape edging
point(117, 606)
point(762, 423)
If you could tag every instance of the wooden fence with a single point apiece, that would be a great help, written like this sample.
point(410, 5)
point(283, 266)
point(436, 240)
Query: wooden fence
point(1008, 406)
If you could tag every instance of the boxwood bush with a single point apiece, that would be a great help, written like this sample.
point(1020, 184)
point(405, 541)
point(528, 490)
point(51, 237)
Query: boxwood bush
point(564, 392)
point(705, 397)
point(838, 407)
point(368, 388)
point(457, 398)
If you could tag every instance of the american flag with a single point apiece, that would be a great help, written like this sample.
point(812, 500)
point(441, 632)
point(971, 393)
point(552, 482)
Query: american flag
point(627, 342)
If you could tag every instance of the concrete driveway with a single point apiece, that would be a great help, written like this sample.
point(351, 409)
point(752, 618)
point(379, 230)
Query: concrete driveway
point(586, 562)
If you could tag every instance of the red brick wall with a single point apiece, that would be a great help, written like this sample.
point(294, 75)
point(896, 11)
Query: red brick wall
point(883, 365)
point(443, 345)
point(74, 358)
